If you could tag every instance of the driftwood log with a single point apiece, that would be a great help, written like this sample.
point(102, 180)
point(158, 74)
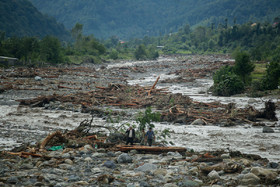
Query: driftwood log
point(48, 138)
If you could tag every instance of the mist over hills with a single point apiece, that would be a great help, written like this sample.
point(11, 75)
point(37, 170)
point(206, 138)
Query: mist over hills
point(137, 18)
point(20, 18)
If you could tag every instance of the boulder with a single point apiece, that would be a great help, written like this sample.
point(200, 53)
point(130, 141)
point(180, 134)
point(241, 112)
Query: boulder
point(88, 148)
point(189, 183)
point(124, 158)
point(146, 167)
point(68, 161)
point(162, 172)
point(225, 156)
point(214, 175)
point(250, 179)
point(144, 184)
point(262, 172)
point(111, 154)
point(174, 154)
point(109, 164)
point(267, 130)
point(37, 78)
point(273, 165)
point(88, 159)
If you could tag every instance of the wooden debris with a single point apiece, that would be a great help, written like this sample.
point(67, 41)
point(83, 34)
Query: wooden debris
point(48, 138)
point(152, 149)
point(153, 87)
point(173, 107)
point(25, 154)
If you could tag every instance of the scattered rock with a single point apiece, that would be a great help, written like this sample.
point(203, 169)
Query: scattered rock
point(250, 179)
point(146, 167)
point(37, 78)
point(82, 183)
point(144, 184)
point(262, 172)
point(189, 183)
point(73, 178)
point(162, 172)
point(174, 154)
point(225, 156)
point(214, 175)
point(26, 166)
point(198, 122)
point(13, 180)
point(65, 166)
point(68, 161)
point(124, 158)
point(111, 154)
point(88, 159)
point(88, 148)
point(133, 152)
point(273, 165)
point(267, 130)
point(109, 164)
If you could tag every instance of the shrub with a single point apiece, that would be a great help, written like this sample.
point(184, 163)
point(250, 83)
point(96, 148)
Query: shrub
point(226, 82)
point(271, 79)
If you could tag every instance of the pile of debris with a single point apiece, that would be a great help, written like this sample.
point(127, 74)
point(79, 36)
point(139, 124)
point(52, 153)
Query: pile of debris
point(174, 107)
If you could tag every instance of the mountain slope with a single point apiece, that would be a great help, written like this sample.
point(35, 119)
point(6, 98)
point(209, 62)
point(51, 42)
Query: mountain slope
point(137, 18)
point(21, 18)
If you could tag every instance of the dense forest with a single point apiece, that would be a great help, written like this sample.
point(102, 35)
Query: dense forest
point(21, 18)
point(138, 18)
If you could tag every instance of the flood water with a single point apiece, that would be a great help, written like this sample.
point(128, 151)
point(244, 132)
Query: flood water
point(24, 124)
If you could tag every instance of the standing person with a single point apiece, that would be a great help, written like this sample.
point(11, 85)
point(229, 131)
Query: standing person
point(130, 135)
point(150, 136)
point(143, 137)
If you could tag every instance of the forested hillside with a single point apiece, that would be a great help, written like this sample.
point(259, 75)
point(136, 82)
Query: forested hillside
point(138, 18)
point(21, 18)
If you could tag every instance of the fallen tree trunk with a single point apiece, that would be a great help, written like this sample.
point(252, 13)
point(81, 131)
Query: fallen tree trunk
point(25, 154)
point(149, 93)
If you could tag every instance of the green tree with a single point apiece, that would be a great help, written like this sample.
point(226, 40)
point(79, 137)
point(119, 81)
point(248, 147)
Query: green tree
point(114, 54)
point(140, 52)
point(77, 31)
point(51, 50)
point(271, 79)
point(31, 48)
point(243, 66)
point(152, 53)
point(211, 44)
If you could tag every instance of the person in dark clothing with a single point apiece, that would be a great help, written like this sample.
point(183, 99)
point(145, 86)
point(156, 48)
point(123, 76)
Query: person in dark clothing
point(130, 135)
point(150, 135)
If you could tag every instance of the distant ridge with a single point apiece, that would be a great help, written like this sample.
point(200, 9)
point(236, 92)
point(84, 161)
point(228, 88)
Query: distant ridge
point(20, 18)
point(138, 18)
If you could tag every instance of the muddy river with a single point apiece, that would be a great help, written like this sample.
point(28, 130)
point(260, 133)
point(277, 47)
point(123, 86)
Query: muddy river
point(24, 124)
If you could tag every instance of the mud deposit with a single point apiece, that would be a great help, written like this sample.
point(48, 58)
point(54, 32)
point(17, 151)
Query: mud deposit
point(189, 75)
